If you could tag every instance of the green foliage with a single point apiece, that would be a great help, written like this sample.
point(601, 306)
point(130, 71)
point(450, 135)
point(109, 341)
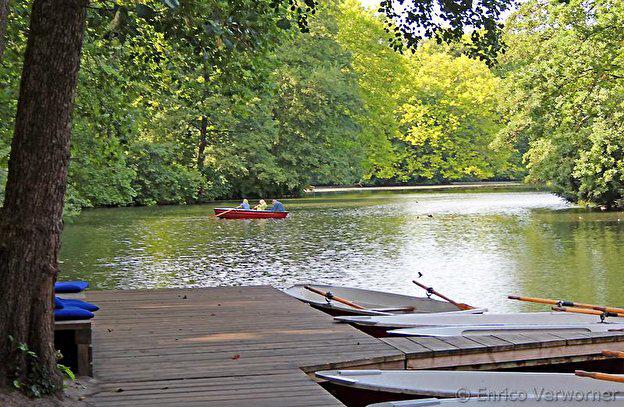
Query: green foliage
point(446, 21)
point(10, 73)
point(449, 119)
point(66, 371)
point(431, 116)
point(565, 95)
point(600, 169)
point(315, 109)
point(181, 102)
point(382, 75)
point(36, 382)
point(160, 178)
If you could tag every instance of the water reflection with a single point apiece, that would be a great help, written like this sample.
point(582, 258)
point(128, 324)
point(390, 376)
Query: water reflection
point(478, 247)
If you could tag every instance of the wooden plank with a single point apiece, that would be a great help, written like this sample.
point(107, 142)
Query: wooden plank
point(438, 346)
point(409, 348)
point(465, 345)
point(575, 338)
point(72, 325)
point(181, 349)
point(545, 339)
point(519, 341)
point(493, 343)
point(605, 337)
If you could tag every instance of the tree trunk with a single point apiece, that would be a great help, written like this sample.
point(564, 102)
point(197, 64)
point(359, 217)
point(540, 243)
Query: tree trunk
point(30, 220)
point(4, 13)
point(201, 153)
point(203, 143)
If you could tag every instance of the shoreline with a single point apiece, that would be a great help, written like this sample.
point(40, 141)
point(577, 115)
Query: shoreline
point(337, 189)
point(458, 185)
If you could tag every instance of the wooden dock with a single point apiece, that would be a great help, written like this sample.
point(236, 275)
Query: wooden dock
point(244, 346)
point(233, 346)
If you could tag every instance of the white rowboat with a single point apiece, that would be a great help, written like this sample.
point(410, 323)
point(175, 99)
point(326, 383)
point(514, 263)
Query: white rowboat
point(374, 302)
point(443, 319)
point(480, 330)
point(510, 402)
point(464, 384)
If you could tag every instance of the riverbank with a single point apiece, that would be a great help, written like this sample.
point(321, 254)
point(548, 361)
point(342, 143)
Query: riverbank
point(453, 186)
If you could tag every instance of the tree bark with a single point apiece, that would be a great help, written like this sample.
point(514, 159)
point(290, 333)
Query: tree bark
point(4, 15)
point(203, 143)
point(201, 152)
point(30, 220)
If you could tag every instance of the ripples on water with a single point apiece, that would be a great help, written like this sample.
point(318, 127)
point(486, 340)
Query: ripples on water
point(477, 247)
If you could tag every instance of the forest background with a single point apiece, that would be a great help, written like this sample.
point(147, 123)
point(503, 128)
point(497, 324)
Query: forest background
point(245, 107)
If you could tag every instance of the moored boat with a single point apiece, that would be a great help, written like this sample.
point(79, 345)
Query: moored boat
point(507, 402)
point(443, 319)
point(471, 384)
point(480, 330)
point(373, 302)
point(229, 213)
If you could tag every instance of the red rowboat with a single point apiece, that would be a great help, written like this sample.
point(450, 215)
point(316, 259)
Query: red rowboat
point(228, 213)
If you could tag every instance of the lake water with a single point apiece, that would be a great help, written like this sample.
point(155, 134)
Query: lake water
point(476, 247)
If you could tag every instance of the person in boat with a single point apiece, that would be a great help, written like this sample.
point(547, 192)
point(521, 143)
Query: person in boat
point(244, 205)
point(262, 205)
point(277, 206)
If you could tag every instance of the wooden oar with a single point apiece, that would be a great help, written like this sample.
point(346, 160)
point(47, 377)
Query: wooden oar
point(613, 354)
point(430, 290)
point(600, 376)
point(586, 311)
point(331, 296)
point(562, 303)
point(224, 212)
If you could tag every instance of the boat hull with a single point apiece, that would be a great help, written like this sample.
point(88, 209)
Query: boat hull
point(482, 402)
point(438, 383)
point(228, 213)
point(486, 330)
point(421, 320)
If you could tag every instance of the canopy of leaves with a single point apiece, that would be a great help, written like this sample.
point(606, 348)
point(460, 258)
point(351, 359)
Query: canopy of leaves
point(200, 100)
point(447, 21)
point(565, 95)
point(430, 116)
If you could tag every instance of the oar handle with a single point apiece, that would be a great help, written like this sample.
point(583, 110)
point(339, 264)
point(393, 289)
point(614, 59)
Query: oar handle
point(537, 300)
point(562, 303)
point(577, 310)
point(587, 311)
point(331, 296)
point(583, 373)
point(600, 376)
point(613, 354)
point(430, 290)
